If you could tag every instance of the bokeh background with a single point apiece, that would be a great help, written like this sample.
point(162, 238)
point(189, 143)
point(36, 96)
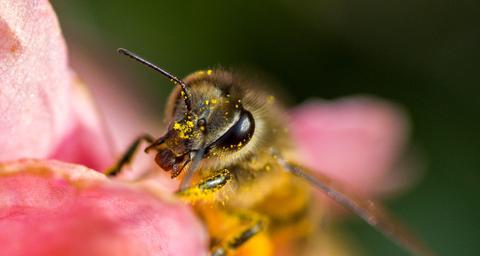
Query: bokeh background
point(423, 55)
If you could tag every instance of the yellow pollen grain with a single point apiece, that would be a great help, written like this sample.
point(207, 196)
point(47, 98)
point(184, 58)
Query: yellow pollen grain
point(209, 72)
point(207, 102)
point(270, 99)
point(214, 101)
point(176, 126)
point(236, 105)
point(183, 130)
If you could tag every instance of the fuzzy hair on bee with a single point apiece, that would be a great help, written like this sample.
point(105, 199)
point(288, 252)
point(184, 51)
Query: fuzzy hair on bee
point(227, 142)
point(223, 99)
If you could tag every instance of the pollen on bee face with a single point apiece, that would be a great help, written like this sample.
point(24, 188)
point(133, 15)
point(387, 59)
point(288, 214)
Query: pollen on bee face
point(183, 129)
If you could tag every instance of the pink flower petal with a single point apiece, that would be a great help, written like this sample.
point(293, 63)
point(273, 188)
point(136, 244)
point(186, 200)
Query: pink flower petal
point(125, 116)
point(39, 103)
point(355, 140)
point(87, 142)
point(54, 208)
point(34, 80)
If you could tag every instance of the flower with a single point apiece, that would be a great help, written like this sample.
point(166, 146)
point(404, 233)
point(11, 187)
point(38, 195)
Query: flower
point(55, 208)
point(358, 141)
point(43, 106)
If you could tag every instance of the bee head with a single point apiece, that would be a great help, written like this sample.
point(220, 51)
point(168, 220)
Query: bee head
point(215, 125)
point(207, 119)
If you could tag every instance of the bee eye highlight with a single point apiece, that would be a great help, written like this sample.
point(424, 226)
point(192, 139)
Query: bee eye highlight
point(239, 134)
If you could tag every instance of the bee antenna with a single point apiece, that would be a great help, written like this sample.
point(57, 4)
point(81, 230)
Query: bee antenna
point(365, 209)
point(175, 80)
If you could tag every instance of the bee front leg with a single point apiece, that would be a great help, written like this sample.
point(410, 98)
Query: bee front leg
point(247, 224)
point(253, 224)
point(207, 188)
point(128, 155)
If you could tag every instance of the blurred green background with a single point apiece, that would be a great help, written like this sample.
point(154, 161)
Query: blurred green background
point(423, 55)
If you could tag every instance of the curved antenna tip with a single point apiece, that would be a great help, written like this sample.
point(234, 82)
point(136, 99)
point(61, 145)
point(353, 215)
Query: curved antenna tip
point(172, 78)
point(122, 50)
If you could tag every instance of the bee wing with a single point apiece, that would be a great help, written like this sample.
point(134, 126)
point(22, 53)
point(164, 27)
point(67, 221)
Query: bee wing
point(371, 212)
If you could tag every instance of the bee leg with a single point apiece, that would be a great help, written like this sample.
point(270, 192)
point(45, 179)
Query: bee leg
point(127, 156)
point(207, 188)
point(255, 224)
point(248, 224)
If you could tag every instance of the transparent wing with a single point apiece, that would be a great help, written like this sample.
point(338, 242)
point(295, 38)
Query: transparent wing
point(368, 210)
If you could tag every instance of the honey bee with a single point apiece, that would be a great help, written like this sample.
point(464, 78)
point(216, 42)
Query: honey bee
point(228, 144)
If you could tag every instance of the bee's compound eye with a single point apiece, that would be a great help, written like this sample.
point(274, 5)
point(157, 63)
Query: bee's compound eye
point(239, 134)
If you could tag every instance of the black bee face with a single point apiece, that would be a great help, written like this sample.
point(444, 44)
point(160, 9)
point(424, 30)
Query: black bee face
point(175, 149)
point(216, 125)
point(207, 120)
